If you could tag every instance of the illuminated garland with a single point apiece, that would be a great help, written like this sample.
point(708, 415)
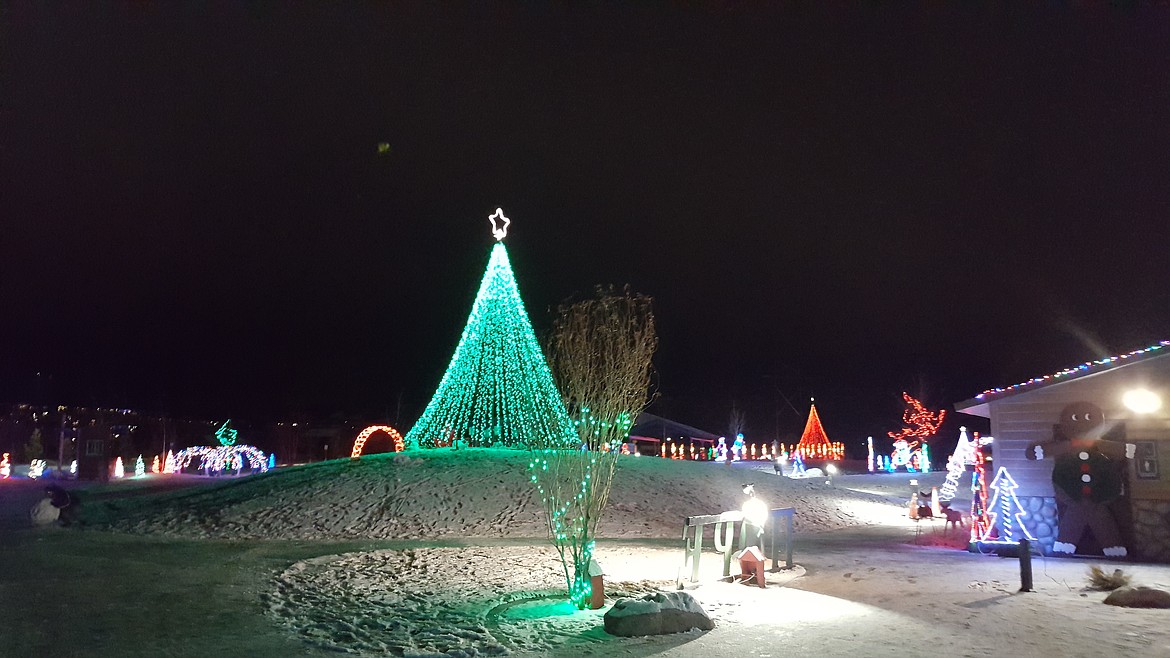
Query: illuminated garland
point(1076, 370)
point(1005, 526)
point(360, 443)
point(497, 389)
point(980, 523)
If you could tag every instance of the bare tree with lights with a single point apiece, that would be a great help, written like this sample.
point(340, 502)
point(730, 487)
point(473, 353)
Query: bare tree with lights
point(600, 354)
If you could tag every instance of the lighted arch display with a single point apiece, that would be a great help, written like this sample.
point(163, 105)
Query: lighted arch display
point(399, 444)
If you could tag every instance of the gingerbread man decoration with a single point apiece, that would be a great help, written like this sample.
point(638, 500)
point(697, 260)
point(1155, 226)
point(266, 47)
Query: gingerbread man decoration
point(1087, 476)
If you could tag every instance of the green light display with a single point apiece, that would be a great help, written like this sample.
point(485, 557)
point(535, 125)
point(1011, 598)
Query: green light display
point(497, 390)
point(226, 435)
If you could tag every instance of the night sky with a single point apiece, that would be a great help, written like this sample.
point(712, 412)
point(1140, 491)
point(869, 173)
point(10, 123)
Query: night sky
point(197, 217)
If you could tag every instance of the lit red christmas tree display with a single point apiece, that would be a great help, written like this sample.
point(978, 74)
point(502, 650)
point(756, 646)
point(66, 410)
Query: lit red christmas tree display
point(814, 443)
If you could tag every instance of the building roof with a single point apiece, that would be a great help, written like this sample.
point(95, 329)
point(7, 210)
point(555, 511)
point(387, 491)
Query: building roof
point(656, 427)
point(977, 405)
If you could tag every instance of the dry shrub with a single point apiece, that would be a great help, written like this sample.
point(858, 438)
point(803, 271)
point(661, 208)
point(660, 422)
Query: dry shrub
point(1100, 581)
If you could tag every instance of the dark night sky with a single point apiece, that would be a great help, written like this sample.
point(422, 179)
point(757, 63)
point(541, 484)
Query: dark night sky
point(846, 203)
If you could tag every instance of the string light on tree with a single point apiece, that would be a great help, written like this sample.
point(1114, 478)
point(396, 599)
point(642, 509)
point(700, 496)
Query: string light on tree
point(497, 390)
point(169, 463)
point(600, 351)
point(119, 469)
point(156, 467)
point(139, 467)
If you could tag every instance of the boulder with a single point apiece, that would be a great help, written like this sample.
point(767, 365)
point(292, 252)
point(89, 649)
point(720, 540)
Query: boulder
point(660, 613)
point(1138, 597)
point(43, 513)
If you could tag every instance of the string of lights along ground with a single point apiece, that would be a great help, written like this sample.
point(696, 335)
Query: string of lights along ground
point(497, 390)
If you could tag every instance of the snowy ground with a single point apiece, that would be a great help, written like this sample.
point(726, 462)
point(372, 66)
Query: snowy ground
point(469, 579)
point(477, 493)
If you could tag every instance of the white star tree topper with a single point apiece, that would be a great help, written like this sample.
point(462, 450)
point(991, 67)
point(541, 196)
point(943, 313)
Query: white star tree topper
point(498, 232)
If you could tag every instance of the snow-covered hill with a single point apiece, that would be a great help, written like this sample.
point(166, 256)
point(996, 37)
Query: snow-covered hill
point(472, 493)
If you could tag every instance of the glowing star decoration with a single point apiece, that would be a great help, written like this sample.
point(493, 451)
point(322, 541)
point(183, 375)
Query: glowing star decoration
point(226, 435)
point(499, 231)
point(497, 390)
point(5, 467)
point(360, 443)
point(36, 469)
point(1005, 525)
point(169, 463)
point(119, 469)
point(139, 467)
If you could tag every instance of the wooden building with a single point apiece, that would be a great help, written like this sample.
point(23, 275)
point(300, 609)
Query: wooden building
point(1120, 405)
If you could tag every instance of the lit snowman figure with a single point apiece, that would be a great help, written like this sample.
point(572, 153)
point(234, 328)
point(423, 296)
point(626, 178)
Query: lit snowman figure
point(902, 456)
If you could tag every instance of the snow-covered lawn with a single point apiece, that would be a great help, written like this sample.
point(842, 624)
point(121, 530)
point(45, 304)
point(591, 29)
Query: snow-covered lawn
point(445, 556)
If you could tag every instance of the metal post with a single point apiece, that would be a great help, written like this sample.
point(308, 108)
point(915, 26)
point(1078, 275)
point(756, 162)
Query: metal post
point(696, 551)
point(728, 538)
point(1025, 565)
point(788, 540)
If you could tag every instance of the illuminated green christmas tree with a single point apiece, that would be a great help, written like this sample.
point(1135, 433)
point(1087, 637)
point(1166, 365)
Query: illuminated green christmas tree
point(497, 390)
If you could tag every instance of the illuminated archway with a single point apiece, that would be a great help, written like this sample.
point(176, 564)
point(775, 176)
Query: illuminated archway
point(399, 444)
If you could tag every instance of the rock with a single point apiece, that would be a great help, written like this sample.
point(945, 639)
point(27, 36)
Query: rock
point(43, 513)
point(660, 613)
point(1138, 597)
